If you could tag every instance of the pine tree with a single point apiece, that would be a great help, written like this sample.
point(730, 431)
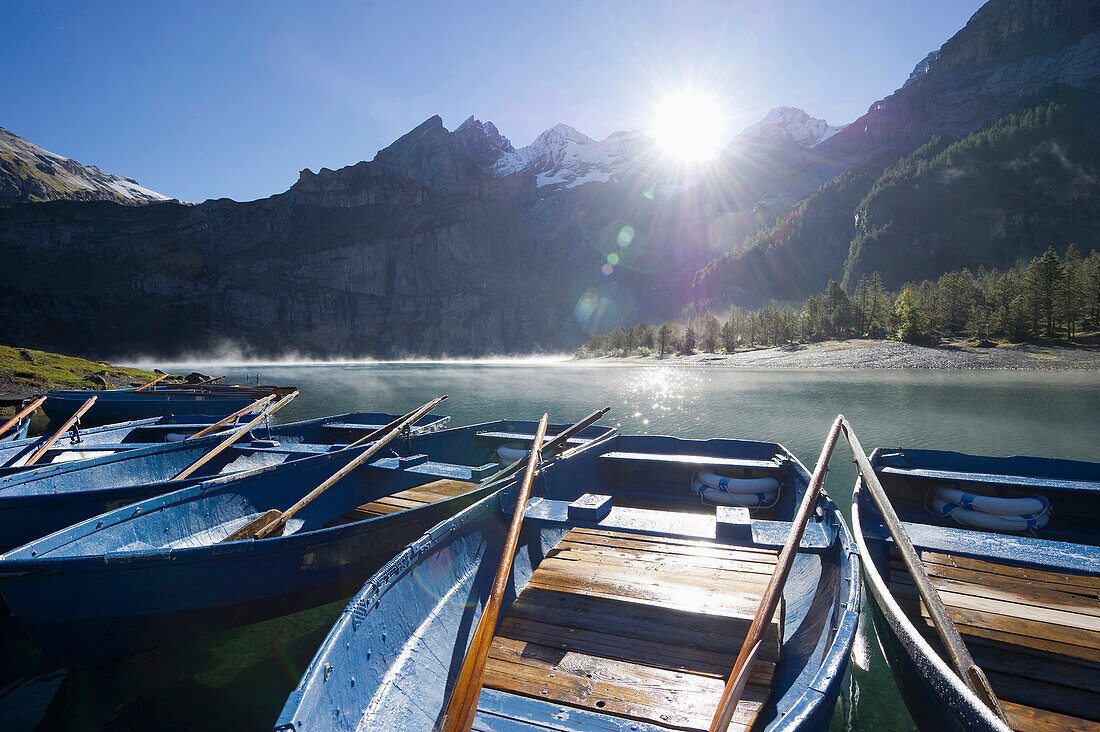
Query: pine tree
point(688, 346)
point(664, 338)
point(1072, 289)
point(1044, 280)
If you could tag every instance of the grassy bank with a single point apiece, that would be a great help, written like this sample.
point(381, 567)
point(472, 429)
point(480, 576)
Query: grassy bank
point(23, 371)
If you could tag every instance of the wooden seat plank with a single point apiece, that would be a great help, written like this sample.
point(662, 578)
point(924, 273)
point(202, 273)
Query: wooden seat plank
point(1088, 582)
point(1035, 632)
point(421, 495)
point(1022, 717)
point(641, 627)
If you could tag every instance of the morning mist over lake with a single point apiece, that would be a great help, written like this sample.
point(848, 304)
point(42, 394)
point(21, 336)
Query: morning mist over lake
point(806, 294)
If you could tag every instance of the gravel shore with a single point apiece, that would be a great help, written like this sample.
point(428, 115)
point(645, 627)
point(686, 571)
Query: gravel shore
point(868, 354)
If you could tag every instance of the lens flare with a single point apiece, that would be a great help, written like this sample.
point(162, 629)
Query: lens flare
point(626, 235)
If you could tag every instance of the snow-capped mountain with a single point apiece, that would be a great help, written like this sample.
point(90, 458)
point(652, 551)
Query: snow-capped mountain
point(789, 124)
point(564, 157)
point(30, 173)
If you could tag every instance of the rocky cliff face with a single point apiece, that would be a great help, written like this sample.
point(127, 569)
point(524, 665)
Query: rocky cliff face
point(30, 173)
point(1008, 51)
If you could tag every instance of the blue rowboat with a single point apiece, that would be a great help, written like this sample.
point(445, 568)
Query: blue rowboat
point(37, 500)
point(18, 433)
point(1025, 601)
point(159, 571)
point(123, 405)
point(82, 443)
point(627, 604)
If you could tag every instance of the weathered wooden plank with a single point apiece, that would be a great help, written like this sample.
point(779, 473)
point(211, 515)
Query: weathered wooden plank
point(628, 620)
point(1025, 573)
point(1028, 620)
point(1062, 699)
point(670, 697)
point(678, 596)
point(1040, 665)
point(666, 544)
point(1027, 597)
point(705, 572)
point(1023, 717)
point(732, 563)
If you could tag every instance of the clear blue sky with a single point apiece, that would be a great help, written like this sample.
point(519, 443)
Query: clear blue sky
point(201, 100)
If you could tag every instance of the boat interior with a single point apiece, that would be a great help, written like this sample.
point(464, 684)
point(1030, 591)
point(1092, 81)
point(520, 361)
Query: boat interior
point(614, 608)
point(1027, 603)
point(642, 626)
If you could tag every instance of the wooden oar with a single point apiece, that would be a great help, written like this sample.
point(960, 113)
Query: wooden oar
point(229, 418)
point(385, 429)
point(739, 677)
point(552, 445)
point(459, 716)
point(56, 435)
point(143, 386)
point(210, 380)
point(961, 659)
point(234, 437)
point(22, 413)
point(272, 522)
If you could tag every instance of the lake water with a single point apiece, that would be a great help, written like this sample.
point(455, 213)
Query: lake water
point(239, 679)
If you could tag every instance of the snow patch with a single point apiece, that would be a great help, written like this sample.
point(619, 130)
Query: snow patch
point(789, 124)
point(563, 156)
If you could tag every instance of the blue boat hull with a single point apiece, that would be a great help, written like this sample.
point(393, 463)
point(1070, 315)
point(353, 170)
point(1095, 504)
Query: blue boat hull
point(39, 500)
point(19, 432)
point(155, 572)
point(124, 405)
point(936, 697)
point(393, 656)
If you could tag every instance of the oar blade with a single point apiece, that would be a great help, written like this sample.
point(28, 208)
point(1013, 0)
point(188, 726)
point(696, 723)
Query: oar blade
point(269, 521)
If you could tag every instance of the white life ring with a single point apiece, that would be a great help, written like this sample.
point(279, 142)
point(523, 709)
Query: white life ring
point(991, 521)
point(1031, 505)
point(748, 492)
point(509, 455)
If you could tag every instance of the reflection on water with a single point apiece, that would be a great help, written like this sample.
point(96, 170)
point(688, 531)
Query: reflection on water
point(240, 679)
point(651, 391)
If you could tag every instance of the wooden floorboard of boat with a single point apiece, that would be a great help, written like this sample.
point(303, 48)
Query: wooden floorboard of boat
point(421, 495)
point(1036, 634)
point(637, 626)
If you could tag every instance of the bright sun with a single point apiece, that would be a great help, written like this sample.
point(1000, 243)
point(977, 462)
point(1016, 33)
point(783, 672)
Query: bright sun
point(689, 125)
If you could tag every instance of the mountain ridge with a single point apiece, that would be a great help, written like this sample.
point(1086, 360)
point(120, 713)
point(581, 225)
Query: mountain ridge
point(31, 173)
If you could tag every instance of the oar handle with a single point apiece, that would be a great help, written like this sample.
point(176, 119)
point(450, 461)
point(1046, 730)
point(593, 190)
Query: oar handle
point(234, 437)
point(459, 716)
point(56, 435)
point(961, 659)
point(731, 694)
point(144, 386)
point(22, 413)
point(229, 418)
